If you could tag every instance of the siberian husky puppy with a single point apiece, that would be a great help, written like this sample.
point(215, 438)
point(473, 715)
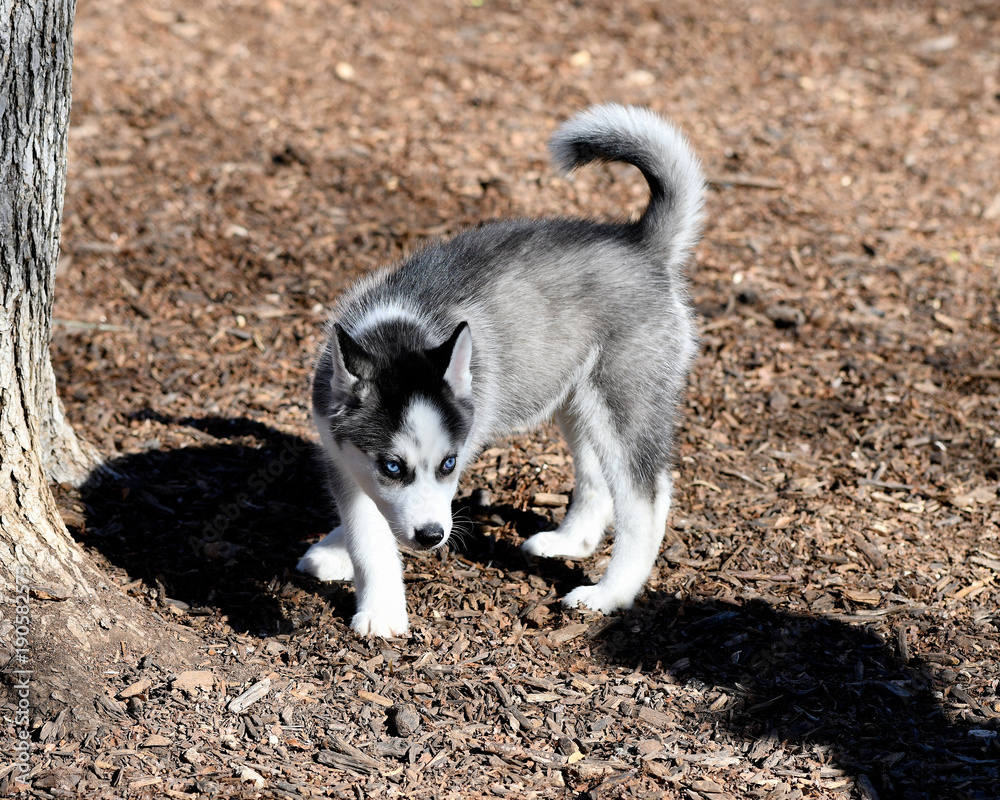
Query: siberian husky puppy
point(500, 329)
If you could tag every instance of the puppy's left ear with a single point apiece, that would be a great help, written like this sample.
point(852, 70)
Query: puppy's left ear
point(454, 358)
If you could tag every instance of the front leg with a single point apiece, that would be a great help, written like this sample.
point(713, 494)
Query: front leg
point(328, 559)
point(378, 569)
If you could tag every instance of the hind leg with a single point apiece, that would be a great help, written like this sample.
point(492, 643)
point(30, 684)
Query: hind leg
point(591, 512)
point(640, 525)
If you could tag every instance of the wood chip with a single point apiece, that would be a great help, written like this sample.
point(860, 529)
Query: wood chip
point(192, 680)
point(657, 718)
point(902, 644)
point(871, 598)
point(567, 633)
point(242, 702)
point(49, 592)
point(141, 686)
point(762, 576)
point(543, 697)
point(348, 758)
point(248, 775)
point(378, 699)
point(707, 786)
point(990, 563)
point(870, 551)
point(549, 500)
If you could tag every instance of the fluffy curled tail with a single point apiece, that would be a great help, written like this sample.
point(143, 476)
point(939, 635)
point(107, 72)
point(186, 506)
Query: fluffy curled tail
point(671, 222)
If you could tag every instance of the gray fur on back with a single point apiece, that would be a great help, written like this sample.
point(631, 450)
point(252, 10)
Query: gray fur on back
point(551, 303)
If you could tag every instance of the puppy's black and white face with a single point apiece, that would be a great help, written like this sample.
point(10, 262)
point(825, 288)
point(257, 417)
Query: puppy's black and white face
point(399, 427)
point(413, 475)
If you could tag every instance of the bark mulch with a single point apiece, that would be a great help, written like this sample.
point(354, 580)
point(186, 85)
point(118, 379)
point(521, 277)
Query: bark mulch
point(823, 620)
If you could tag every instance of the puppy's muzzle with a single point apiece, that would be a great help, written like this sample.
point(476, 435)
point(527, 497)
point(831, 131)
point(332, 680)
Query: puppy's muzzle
point(429, 535)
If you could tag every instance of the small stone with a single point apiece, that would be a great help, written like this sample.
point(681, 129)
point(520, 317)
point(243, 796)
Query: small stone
point(404, 719)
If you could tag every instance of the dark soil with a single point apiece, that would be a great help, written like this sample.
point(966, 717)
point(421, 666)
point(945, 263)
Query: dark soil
point(823, 620)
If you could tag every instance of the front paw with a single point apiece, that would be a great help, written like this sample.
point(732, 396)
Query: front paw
point(558, 544)
point(327, 563)
point(381, 622)
point(597, 598)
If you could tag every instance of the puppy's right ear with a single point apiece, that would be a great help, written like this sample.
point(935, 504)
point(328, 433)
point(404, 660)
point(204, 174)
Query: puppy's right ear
point(348, 368)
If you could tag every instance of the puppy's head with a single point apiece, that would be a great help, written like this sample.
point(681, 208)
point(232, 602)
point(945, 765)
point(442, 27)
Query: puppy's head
point(397, 420)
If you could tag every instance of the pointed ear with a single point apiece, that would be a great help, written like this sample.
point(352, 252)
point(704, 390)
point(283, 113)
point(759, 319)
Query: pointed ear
point(354, 359)
point(349, 366)
point(454, 359)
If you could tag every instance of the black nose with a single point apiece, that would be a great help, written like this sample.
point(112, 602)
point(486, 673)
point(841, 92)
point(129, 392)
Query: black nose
point(429, 535)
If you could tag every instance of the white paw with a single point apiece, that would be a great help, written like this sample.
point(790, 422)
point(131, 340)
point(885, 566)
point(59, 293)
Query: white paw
point(597, 598)
point(327, 563)
point(381, 622)
point(556, 544)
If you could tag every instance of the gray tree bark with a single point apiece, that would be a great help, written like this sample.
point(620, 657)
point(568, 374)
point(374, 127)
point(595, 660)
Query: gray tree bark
point(75, 617)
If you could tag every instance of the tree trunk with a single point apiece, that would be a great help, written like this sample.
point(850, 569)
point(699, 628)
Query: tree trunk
point(74, 616)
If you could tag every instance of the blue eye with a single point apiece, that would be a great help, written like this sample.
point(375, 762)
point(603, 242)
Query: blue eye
point(448, 464)
point(391, 468)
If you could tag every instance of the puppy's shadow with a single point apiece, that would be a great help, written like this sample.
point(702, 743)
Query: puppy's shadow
point(797, 680)
point(490, 550)
point(217, 524)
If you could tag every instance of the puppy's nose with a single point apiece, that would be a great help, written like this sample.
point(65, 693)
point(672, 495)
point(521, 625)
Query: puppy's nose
point(429, 535)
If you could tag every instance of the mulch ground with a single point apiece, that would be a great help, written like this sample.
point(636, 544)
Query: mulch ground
point(823, 620)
